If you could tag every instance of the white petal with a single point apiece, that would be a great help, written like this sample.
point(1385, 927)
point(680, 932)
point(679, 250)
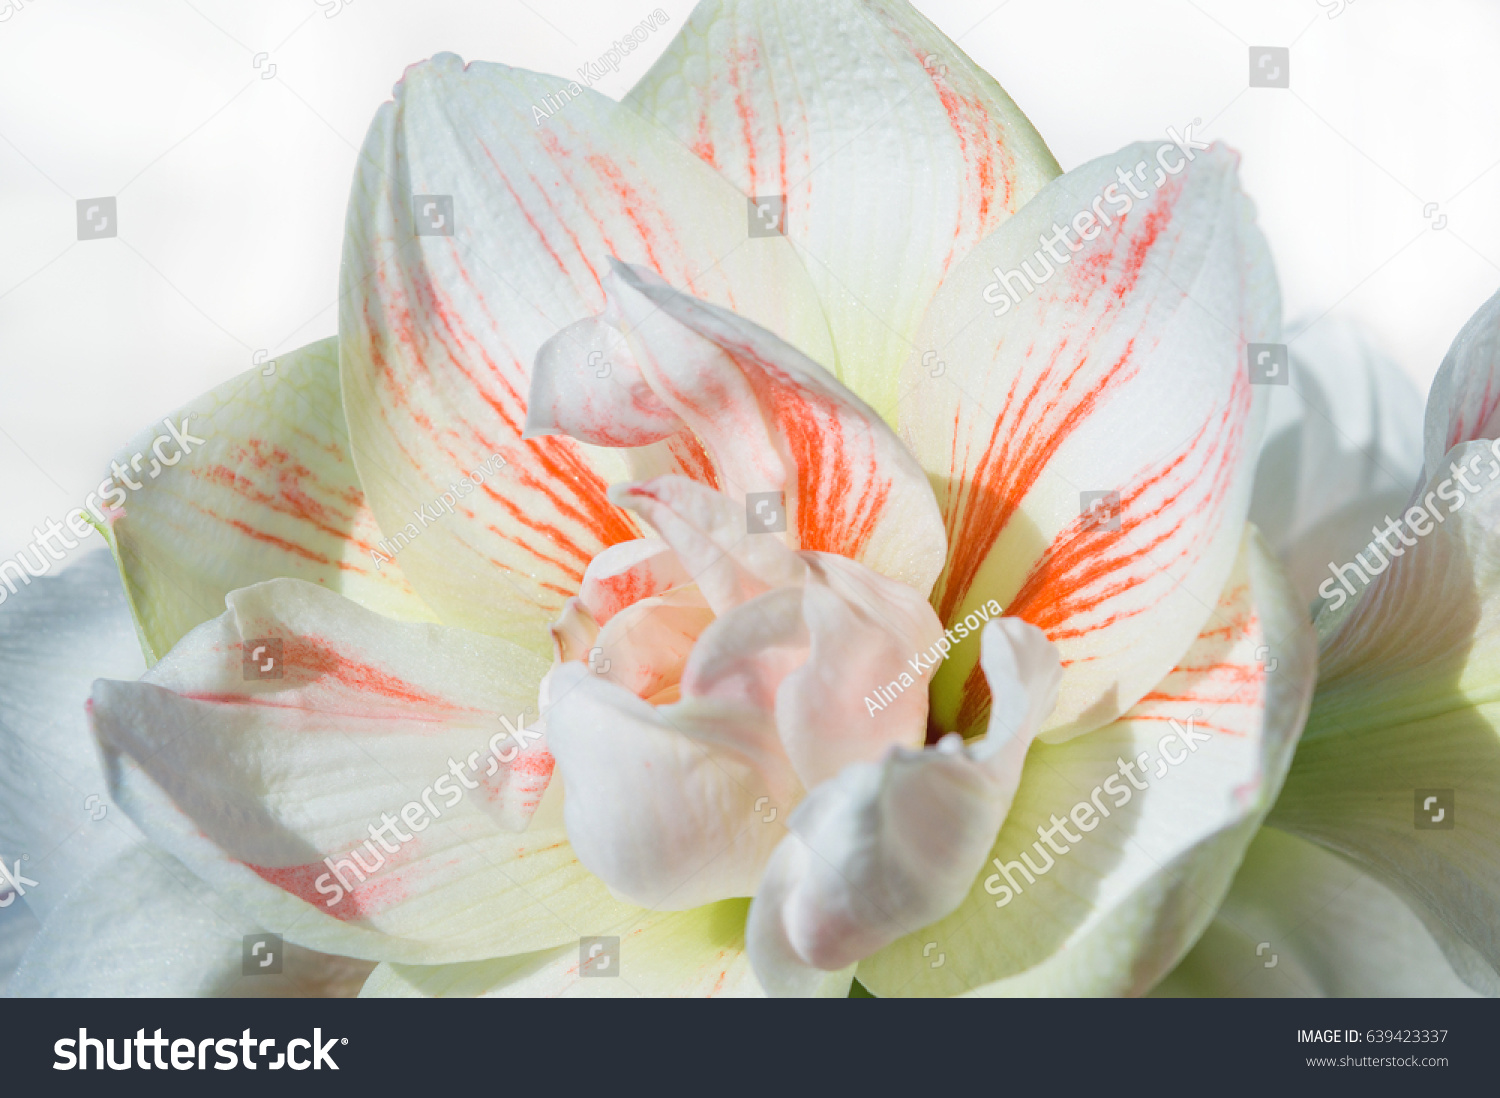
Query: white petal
point(1342, 449)
point(574, 632)
point(848, 109)
point(268, 788)
point(143, 926)
point(1044, 404)
point(864, 632)
point(770, 421)
point(839, 661)
point(627, 573)
point(55, 804)
point(645, 646)
point(18, 927)
point(264, 486)
point(1464, 402)
point(1408, 708)
point(1299, 921)
point(672, 806)
point(438, 333)
point(1119, 899)
point(567, 397)
point(886, 848)
point(744, 657)
point(709, 534)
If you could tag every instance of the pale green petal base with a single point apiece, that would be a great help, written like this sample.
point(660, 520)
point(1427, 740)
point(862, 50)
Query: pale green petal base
point(271, 491)
point(1302, 922)
point(1408, 707)
point(1118, 910)
point(681, 953)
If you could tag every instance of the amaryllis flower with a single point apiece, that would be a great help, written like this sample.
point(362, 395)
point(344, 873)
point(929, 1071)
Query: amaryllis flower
point(773, 526)
point(1379, 872)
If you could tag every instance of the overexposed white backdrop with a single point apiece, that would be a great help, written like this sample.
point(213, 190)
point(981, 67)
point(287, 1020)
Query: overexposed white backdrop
point(231, 176)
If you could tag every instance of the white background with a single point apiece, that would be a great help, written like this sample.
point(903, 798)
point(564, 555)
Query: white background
point(231, 187)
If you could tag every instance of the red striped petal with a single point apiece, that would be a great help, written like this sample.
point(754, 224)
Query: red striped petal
point(263, 485)
point(848, 109)
point(1119, 369)
point(475, 233)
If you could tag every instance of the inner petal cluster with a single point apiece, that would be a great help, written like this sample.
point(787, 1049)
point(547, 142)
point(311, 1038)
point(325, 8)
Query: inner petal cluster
point(709, 703)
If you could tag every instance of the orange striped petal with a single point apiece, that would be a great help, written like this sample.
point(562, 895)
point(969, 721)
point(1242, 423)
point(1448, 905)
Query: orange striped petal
point(771, 421)
point(475, 233)
point(847, 109)
point(708, 535)
point(628, 572)
point(299, 727)
point(269, 491)
point(1119, 369)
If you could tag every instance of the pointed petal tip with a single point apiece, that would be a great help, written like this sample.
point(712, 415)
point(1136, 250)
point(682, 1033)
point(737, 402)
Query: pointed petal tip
point(443, 61)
